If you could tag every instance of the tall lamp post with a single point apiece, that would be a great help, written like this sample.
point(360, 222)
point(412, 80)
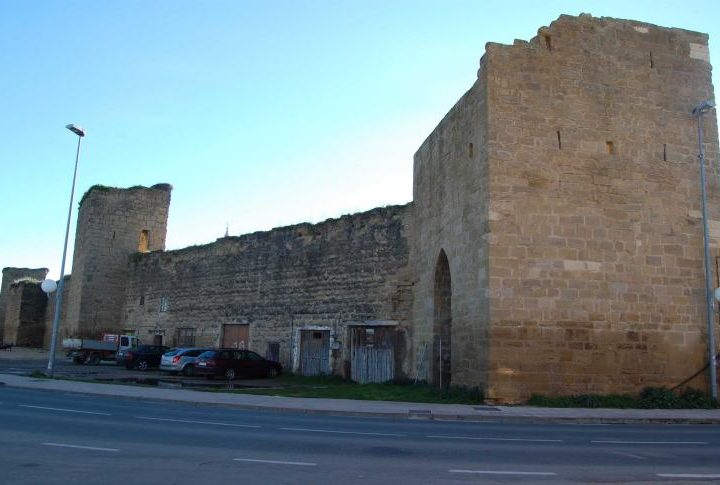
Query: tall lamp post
point(61, 284)
point(698, 112)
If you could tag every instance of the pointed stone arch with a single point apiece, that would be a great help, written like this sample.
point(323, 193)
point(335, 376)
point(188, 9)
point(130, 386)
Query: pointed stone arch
point(442, 322)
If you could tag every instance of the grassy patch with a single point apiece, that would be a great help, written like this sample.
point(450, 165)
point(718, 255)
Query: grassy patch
point(649, 398)
point(337, 388)
point(38, 374)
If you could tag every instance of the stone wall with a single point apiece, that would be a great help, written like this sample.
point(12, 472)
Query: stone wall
point(558, 243)
point(306, 276)
point(596, 259)
point(25, 314)
point(9, 276)
point(451, 205)
point(112, 225)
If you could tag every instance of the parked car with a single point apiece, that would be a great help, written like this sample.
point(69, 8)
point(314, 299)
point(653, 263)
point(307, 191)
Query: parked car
point(142, 357)
point(181, 360)
point(231, 363)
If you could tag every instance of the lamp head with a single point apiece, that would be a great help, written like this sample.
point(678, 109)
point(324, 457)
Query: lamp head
point(76, 129)
point(48, 286)
point(703, 108)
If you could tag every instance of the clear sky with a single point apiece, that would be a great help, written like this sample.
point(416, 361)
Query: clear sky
point(259, 113)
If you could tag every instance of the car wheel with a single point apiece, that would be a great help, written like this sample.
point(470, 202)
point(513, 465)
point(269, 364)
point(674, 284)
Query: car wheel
point(272, 372)
point(94, 359)
point(230, 374)
point(142, 364)
point(189, 370)
point(78, 360)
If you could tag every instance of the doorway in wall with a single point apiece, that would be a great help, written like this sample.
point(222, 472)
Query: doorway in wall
point(314, 352)
point(235, 336)
point(442, 323)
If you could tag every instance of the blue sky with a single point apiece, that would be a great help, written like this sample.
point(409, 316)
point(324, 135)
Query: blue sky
point(259, 113)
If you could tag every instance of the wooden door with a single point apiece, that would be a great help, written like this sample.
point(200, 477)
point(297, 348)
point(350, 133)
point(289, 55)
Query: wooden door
point(235, 336)
point(372, 354)
point(315, 352)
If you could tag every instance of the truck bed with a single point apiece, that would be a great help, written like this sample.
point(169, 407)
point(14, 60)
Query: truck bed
point(87, 344)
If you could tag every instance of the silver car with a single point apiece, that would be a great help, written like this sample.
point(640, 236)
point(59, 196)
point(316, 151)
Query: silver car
point(181, 360)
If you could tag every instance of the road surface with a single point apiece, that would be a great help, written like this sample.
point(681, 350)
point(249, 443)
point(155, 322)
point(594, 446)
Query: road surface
point(50, 437)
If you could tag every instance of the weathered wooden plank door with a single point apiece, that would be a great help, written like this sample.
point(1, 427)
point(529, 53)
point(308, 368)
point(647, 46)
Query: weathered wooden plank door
point(235, 336)
point(314, 352)
point(372, 355)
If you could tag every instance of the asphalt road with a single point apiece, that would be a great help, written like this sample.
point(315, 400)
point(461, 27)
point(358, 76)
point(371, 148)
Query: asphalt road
point(50, 437)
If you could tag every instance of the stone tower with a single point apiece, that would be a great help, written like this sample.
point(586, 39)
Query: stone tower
point(9, 276)
point(558, 246)
point(113, 224)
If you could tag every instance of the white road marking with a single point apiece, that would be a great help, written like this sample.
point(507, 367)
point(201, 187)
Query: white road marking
point(650, 442)
point(492, 439)
point(496, 472)
point(61, 445)
point(687, 475)
point(214, 423)
point(341, 432)
point(275, 462)
point(63, 410)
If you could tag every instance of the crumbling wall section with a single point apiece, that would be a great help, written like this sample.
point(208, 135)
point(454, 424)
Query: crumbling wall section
point(10, 276)
point(300, 277)
point(25, 314)
point(112, 225)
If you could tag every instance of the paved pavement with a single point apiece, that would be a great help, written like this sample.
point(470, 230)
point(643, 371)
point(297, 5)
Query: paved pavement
point(349, 407)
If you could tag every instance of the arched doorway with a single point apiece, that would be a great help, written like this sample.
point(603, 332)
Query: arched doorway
point(442, 323)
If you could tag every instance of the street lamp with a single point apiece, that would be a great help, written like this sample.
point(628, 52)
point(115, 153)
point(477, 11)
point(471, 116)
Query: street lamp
point(61, 284)
point(698, 112)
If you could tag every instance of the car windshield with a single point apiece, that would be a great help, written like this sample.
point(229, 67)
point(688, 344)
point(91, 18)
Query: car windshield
point(172, 352)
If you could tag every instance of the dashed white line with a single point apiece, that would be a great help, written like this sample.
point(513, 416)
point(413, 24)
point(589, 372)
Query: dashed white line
point(492, 439)
point(276, 462)
point(688, 475)
point(214, 423)
point(618, 442)
point(499, 472)
point(63, 410)
point(309, 430)
point(63, 445)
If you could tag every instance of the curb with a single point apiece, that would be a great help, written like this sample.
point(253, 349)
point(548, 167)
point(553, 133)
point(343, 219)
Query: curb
point(410, 414)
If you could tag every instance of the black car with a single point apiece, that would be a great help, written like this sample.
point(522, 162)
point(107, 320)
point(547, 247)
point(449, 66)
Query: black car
point(142, 357)
point(231, 363)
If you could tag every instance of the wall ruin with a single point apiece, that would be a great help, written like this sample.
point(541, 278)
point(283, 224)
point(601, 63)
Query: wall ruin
point(280, 282)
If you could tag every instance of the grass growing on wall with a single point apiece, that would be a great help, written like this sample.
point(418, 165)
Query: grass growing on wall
point(649, 398)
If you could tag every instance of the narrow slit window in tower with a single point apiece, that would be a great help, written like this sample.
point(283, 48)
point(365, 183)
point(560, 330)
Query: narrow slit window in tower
point(652, 63)
point(664, 152)
point(610, 147)
point(559, 140)
point(471, 150)
point(144, 243)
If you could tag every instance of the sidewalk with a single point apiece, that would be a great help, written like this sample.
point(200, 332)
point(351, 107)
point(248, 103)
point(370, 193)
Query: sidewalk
point(347, 407)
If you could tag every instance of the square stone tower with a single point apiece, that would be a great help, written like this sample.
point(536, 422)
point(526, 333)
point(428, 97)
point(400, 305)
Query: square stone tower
point(558, 242)
point(113, 224)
